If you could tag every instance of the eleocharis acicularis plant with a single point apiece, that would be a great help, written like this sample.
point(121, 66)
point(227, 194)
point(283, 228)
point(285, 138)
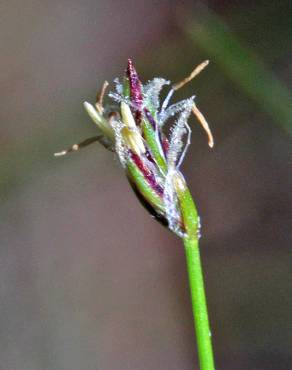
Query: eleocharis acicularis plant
point(132, 127)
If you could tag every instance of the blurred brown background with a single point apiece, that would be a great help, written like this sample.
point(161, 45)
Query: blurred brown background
point(87, 279)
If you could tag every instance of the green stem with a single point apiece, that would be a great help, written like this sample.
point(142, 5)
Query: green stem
point(199, 305)
point(196, 281)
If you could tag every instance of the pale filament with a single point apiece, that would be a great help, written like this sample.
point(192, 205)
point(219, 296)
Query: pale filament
point(78, 146)
point(100, 96)
point(193, 74)
point(203, 122)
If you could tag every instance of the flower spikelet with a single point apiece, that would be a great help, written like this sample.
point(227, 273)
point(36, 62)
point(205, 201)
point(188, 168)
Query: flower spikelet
point(133, 128)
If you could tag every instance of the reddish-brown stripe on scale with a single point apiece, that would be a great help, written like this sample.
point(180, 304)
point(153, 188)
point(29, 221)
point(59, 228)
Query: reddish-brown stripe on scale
point(148, 174)
point(164, 142)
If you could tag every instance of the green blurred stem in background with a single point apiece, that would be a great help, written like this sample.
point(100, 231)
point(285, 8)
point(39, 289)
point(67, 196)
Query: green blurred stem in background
point(196, 281)
point(242, 65)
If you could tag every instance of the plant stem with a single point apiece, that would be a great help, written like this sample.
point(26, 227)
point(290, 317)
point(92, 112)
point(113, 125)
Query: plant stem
point(196, 281)
point(199, 305)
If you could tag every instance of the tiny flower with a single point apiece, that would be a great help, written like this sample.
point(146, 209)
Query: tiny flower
point(133, 129)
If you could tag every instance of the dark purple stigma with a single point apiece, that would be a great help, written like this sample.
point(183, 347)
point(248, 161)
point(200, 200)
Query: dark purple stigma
point(135, 90)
